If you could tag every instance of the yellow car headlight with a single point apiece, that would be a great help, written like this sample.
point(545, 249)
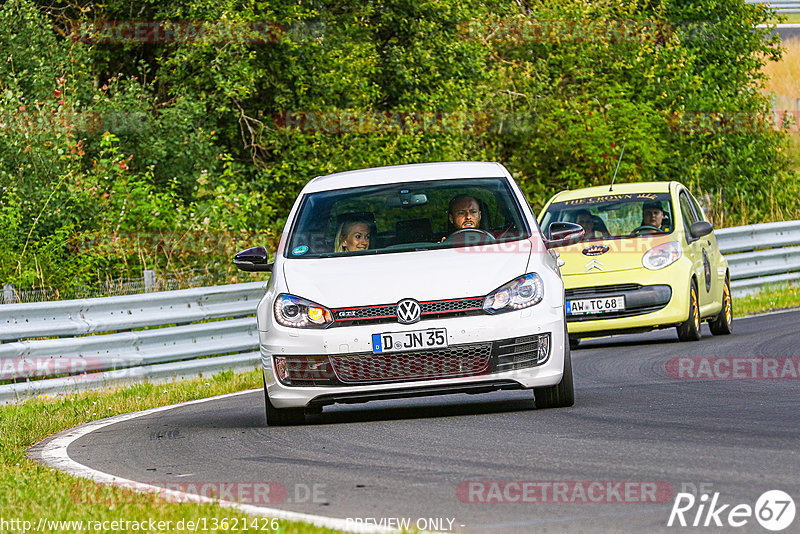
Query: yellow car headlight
point(662, 255)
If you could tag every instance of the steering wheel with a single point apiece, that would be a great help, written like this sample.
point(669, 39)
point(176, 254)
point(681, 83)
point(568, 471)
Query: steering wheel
point(646, 228)
point(464, 236)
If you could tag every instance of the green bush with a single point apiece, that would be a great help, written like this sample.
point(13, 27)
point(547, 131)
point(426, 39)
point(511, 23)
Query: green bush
point(115, 157)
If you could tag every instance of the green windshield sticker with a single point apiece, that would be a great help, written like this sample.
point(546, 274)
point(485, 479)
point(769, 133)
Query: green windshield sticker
point(299, 251)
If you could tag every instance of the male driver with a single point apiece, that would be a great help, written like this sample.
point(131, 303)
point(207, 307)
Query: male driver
point(652, 214)
point(464, 212)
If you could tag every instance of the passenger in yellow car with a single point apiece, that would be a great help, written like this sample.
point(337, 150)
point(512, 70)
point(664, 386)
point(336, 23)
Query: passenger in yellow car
point(593, 225)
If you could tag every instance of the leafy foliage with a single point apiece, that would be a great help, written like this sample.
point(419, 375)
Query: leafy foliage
point(118, 154)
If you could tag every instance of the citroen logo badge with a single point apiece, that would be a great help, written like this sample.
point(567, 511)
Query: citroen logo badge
point(408, 311)
point(594, 264)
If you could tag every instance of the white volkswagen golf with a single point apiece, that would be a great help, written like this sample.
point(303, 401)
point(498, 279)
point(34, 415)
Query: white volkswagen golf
point(408, 281)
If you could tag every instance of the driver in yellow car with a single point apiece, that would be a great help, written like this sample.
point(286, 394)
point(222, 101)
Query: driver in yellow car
point(464, 212)
point(652, 214)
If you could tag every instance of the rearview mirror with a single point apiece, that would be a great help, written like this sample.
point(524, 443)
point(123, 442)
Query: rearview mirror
point(406, 199)
point(253, 260)
point(563, 233)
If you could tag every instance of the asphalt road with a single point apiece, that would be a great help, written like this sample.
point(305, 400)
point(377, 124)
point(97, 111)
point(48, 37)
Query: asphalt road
point(414, 459)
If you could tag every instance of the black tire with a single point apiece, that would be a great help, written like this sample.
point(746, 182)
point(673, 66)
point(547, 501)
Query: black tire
point(282, 416)
point(574, 342)
point(722, 324)
point(689, 330)
point(562, 395)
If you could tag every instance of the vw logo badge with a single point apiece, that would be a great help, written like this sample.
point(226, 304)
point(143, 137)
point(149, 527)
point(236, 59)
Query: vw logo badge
point(408, 311)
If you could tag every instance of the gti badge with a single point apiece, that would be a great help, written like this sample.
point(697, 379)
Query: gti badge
point(408, 311)
point(595, 250)
point(594, 264)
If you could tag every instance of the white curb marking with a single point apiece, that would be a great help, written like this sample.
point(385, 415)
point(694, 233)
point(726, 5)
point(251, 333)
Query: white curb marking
point(54, 454)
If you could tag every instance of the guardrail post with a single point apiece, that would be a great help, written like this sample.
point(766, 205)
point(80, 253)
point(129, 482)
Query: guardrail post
point(8, 294)
point(149, 280)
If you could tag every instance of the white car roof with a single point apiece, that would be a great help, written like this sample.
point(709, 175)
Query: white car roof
point(406, 173)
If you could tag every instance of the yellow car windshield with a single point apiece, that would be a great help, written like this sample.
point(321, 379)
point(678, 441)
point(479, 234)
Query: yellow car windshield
point(615, 215)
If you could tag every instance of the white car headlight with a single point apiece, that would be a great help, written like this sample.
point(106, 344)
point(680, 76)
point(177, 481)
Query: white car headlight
point(662, 255)
point(301, 313)
point(519, 293)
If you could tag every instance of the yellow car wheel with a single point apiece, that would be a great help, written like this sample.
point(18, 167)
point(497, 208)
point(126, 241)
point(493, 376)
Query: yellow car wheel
point(722, 324)
point(689, 330)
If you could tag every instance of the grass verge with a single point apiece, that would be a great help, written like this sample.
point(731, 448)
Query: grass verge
point(30, 491)
point(775, 297)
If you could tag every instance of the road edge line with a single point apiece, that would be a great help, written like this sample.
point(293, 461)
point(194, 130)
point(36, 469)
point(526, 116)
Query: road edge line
point(52, 451)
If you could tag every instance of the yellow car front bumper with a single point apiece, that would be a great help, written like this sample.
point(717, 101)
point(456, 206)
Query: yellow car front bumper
point(677, 276)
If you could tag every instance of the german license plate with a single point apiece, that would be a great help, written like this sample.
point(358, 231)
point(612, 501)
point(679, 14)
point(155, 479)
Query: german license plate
point(596, 305)
point(432, 338)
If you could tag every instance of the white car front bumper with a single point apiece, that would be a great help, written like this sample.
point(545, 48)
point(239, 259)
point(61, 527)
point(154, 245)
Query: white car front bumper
point(354, 344)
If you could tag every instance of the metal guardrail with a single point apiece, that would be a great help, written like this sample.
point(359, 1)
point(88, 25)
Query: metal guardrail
point(761, 254)
point(118, 353)
point(108, 341)
point(781, 6)
point(87, 316)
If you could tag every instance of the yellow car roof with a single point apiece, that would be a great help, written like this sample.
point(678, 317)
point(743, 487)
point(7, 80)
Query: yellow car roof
point(603, 190)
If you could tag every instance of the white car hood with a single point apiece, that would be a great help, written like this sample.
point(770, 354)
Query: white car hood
point(422, 275)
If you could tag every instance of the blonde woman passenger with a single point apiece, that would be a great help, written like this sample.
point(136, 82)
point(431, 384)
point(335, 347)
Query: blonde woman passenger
point(352, 236)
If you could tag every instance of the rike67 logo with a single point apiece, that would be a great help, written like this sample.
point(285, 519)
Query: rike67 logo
point(774, 510)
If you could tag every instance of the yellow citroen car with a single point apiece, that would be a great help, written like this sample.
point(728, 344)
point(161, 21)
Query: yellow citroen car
point(648, 259)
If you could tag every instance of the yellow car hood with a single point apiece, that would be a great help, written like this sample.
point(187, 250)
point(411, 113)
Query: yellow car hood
point(610, 255)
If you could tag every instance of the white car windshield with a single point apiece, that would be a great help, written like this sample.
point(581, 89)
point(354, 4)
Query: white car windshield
point(406, 216)
point(615, 215)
